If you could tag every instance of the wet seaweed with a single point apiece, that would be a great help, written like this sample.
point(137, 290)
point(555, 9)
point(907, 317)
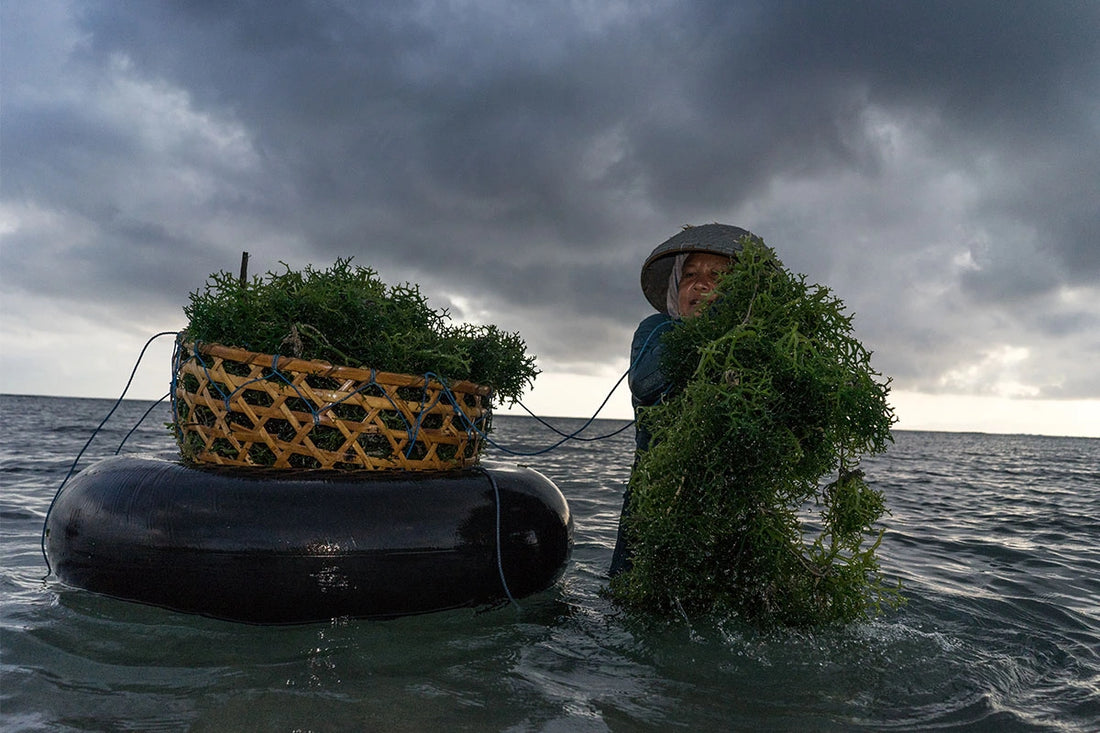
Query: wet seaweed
point(733, 511)
point(346, 315)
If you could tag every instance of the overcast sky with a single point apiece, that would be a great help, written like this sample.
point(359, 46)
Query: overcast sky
point(936, 164)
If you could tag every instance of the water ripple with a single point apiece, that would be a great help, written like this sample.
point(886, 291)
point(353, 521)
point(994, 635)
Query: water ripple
point(992, 537)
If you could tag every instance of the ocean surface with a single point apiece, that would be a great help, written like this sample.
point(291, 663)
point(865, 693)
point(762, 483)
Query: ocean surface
point(995, 539)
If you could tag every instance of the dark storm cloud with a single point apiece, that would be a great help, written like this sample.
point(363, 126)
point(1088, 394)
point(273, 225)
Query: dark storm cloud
point(464, 111)
point(527, 158)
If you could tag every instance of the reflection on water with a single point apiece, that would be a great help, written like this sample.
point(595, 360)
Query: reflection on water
point(993, 537)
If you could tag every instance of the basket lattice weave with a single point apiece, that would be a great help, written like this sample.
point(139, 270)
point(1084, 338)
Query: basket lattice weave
point(241, 408)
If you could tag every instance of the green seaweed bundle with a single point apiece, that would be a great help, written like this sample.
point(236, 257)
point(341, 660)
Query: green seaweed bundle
point(732, 508)
point(346, 315)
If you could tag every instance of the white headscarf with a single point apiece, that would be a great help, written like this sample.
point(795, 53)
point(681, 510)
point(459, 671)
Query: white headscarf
point(672, 299)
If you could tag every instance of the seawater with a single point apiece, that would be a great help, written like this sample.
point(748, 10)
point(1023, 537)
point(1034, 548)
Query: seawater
point(995, 539)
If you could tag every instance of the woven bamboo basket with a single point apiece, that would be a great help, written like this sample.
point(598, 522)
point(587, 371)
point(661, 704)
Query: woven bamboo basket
point(241, 408)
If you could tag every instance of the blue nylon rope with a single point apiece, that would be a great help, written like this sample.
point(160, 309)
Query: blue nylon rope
point(72, 468)
point(139, 422)
point(414, 432)
point(573, 435)
point(566, 437)
point(500, 551)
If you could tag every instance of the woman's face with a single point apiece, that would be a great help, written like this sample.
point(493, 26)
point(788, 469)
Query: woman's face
point(701, 271)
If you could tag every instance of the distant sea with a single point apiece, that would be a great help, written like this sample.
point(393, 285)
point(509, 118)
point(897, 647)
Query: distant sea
point(995, 539)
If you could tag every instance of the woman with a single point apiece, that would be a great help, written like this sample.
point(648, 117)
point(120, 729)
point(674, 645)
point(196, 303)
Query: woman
point(678, 278)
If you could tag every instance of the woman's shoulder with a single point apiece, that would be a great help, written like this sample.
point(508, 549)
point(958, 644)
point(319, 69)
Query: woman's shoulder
point(648, 328)
point(652, 322)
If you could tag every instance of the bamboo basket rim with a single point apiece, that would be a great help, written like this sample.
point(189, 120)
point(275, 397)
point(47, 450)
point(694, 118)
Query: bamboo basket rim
point(318, 367)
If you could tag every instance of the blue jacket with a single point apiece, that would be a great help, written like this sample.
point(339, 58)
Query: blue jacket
point(647, 383)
